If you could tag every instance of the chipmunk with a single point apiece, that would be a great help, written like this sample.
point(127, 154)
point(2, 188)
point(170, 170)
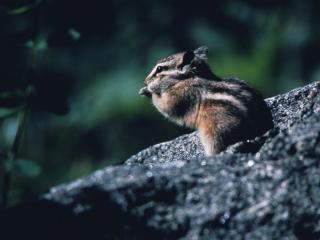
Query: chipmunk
point(224, 110)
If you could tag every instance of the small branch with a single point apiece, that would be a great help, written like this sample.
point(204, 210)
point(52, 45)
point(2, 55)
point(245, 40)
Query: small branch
point(9, 165)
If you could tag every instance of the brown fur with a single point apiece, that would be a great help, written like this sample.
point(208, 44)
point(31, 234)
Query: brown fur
point(224, 111)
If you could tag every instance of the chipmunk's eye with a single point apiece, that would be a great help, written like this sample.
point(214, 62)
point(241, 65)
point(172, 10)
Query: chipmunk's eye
point(160, 69)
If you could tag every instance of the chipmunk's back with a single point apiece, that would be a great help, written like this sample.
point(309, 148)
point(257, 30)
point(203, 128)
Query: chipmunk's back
point(243, 101)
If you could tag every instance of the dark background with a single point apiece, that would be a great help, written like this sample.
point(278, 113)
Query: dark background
point(79, 65)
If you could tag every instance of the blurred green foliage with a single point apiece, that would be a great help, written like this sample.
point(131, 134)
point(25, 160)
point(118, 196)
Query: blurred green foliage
point(87, 60)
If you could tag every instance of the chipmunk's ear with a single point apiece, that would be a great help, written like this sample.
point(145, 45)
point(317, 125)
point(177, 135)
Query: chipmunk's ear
point(201, 53)
point(186, 58)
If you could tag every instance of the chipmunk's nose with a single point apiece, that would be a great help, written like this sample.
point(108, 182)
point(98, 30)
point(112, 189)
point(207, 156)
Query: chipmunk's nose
point(145, 92)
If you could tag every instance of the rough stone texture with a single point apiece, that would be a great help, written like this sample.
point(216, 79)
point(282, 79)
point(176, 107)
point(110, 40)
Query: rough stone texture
point(266, 188)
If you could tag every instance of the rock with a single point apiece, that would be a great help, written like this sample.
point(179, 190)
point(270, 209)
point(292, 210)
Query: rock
point(265, 188)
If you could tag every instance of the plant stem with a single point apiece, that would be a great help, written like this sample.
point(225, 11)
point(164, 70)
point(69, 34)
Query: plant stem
point(7, 179)
point(22, 115)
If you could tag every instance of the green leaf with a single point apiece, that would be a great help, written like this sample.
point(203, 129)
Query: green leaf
point(42, 45)
point(20, 10)
point(38, 45)
point(6, 112)
point(74, 34)
point(27, 168)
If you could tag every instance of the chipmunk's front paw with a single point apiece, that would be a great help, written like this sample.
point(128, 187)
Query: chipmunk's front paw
point(145, 92)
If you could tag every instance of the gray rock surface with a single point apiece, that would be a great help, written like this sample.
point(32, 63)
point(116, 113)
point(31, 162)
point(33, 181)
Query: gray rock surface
point(265, 188)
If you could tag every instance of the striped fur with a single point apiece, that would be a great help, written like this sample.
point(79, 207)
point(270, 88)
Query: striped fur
point(224, 111)
point(225, 97)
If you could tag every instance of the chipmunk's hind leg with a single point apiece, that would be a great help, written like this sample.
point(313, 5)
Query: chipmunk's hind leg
point(218, 129)
point(211, 144)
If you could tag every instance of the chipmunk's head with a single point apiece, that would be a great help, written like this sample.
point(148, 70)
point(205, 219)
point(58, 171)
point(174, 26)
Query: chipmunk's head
point(175, 68)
